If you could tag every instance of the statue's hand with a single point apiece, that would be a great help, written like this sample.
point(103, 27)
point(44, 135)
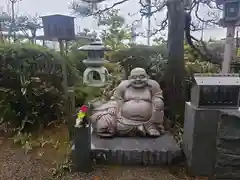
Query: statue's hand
point(107, 123)
point(112, 111)
point(158, 104)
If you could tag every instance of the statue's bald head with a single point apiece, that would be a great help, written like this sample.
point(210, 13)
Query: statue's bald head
point(137, 71)
point(138, 77)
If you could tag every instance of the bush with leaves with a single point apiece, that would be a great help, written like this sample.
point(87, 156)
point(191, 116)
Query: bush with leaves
point(31, 92)
point(151, 58)
point(75, 58)
point(110, 67)
point(194, 63)
point(85, 94)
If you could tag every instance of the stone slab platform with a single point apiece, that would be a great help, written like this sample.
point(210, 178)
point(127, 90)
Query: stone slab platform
point(135, 150)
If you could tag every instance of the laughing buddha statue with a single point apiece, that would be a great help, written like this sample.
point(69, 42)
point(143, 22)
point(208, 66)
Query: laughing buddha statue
point(136, 109)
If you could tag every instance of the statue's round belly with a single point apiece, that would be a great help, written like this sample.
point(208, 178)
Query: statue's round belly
point(138, 110)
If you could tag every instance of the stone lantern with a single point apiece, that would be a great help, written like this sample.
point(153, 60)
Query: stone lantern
point(231, 12)
point(96, 74)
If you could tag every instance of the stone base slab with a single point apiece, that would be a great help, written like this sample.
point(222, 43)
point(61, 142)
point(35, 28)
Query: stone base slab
point(135, 150)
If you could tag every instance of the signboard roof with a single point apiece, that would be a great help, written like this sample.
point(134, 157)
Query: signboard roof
point(220, 80)
point(220, 2)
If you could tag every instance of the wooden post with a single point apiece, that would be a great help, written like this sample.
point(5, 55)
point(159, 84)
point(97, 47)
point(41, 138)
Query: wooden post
point(64, 67)
point(64, 83)
point(66, 47)
point(71, 112)
point(1, 33)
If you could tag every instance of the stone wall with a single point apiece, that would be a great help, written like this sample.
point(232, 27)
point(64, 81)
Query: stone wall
point(228, 146)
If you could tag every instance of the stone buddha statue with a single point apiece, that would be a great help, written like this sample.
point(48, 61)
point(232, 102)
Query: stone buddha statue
point(135, 109)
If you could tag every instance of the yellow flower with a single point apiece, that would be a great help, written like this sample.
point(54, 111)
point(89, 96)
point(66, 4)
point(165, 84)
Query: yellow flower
point(81, 115)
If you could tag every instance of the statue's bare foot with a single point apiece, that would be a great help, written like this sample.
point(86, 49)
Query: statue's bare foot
point(153, 132)
point(141, 130)
point(161, 129)
point(106, 135)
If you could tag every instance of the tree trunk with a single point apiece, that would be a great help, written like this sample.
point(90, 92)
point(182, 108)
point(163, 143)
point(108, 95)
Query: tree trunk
point(175, 70)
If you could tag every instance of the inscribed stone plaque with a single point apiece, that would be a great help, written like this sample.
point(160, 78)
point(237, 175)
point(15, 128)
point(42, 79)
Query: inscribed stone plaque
point(136, 157)
point(145, 157)
point(119, 156)
point(127, 157)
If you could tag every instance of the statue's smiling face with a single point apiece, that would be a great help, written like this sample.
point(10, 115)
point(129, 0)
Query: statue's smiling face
point(138, 78)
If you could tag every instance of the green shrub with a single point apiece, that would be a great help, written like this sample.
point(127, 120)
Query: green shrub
point(110, 67)
point(75, 58)
point(30, 86)
point(76, 67)
point(85, 94)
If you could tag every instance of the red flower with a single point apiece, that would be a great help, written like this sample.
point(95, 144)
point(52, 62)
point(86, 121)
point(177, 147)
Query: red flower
point(84, 108)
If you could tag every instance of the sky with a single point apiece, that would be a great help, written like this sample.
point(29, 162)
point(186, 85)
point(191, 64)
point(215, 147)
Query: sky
point(48, 7)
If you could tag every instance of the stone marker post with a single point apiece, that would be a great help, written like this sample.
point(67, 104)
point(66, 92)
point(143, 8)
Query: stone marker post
point(82, 160)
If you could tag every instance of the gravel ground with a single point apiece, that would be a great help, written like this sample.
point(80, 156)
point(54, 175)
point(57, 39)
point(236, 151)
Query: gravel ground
point(15, 165)
point(39, 163)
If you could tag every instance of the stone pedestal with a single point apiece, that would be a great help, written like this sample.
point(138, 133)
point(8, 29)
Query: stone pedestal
point(199, 139)
point(135, 150)
point(228, 146)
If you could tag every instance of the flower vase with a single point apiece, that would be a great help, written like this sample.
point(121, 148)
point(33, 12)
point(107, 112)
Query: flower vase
point(82, 160)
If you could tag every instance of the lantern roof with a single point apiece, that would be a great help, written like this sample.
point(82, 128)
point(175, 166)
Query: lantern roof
point(94, 46)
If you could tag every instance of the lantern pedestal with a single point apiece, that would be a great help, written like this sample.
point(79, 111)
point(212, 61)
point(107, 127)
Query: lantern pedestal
point(95, 76)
